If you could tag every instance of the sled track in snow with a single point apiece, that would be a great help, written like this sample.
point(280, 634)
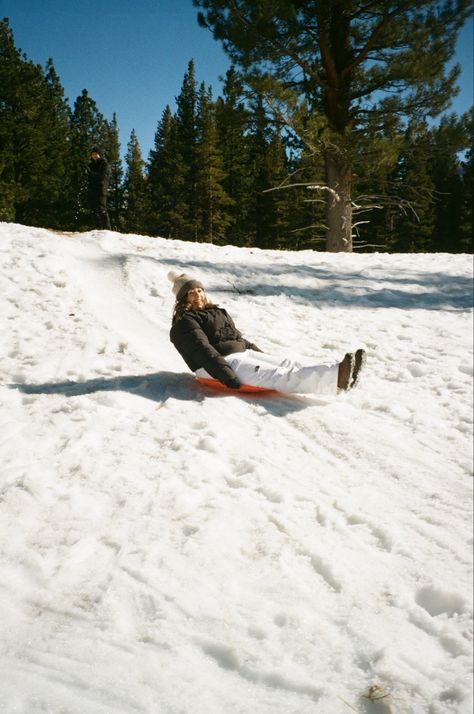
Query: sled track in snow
point(105, 288)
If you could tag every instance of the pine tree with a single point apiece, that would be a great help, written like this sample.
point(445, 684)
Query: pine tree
point(466, 219)
point(10, 63)
point(412, 229)
point(326, 67)
point(232, 118)
point(307, 222)
point(186, 131)
point(258, 141)
point(278, 203)
point(212, 201)
point(53, 127)
point(450, 137)
point(112, 151)
point(268, 169)
point(135, 189)
point(31, 143)
point(34, 136)
point(380, 199)
point(166, 174)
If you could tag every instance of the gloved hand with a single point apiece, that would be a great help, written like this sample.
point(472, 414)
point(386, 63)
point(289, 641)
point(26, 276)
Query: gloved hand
point(233, 383)
point(230, 379)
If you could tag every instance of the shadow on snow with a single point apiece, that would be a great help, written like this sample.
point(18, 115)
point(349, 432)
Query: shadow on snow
point(160, 386)
point(333, 288)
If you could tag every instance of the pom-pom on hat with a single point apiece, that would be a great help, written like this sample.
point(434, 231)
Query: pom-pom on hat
point(182, 284)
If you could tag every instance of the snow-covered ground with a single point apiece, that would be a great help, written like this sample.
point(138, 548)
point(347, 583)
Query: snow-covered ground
point(170, 550)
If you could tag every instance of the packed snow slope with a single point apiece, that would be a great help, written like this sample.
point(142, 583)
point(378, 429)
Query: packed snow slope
point(170, 550)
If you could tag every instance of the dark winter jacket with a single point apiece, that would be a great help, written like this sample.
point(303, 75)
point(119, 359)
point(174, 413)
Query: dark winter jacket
point(98, 173)
point(203, 337)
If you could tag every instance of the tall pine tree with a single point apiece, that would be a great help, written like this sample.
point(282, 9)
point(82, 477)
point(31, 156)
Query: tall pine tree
point(33, 137)
point(268, 168)
point(166, 180)
point(135, 190)
point(10, 63)
point(413, 227)
point(233, 119)
point(212, 201)
point(448, 140)
point(186, 131)
point(112, 152)
point(466, 221)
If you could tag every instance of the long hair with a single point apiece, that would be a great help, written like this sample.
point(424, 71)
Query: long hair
point(181, 306)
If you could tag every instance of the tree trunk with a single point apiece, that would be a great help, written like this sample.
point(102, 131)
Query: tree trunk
point(338, 207)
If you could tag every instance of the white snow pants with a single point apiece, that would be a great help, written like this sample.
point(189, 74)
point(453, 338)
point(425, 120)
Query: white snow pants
point(286, 375)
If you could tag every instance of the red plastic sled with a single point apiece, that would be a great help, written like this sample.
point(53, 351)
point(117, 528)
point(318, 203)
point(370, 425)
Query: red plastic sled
point(247, 388)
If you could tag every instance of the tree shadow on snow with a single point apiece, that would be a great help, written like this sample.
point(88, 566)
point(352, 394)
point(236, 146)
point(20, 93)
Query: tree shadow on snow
point(382, 285)
point(160, 386)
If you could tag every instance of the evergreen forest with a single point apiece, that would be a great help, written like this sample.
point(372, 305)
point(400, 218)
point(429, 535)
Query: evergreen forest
point(230, 169)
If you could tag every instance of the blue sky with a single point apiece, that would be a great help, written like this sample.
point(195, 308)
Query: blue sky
point(131, 55)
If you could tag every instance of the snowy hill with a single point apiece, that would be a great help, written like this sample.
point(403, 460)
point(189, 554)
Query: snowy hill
point(170, 550)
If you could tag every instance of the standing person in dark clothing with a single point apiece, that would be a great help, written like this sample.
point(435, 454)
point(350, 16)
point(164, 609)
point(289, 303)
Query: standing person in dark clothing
point(211, 345)
point(98, 173)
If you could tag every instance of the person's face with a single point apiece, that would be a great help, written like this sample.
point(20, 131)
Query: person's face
point(95, 156)
point(196, 297)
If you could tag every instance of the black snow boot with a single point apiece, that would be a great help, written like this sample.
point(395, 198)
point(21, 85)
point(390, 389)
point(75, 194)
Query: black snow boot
point(358, 362)
point(344, 373)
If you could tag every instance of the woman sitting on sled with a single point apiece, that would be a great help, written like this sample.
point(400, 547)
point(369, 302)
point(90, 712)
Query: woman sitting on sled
point(212, 347)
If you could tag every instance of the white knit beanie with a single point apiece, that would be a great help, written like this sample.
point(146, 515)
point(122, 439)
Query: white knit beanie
point(182, 284)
